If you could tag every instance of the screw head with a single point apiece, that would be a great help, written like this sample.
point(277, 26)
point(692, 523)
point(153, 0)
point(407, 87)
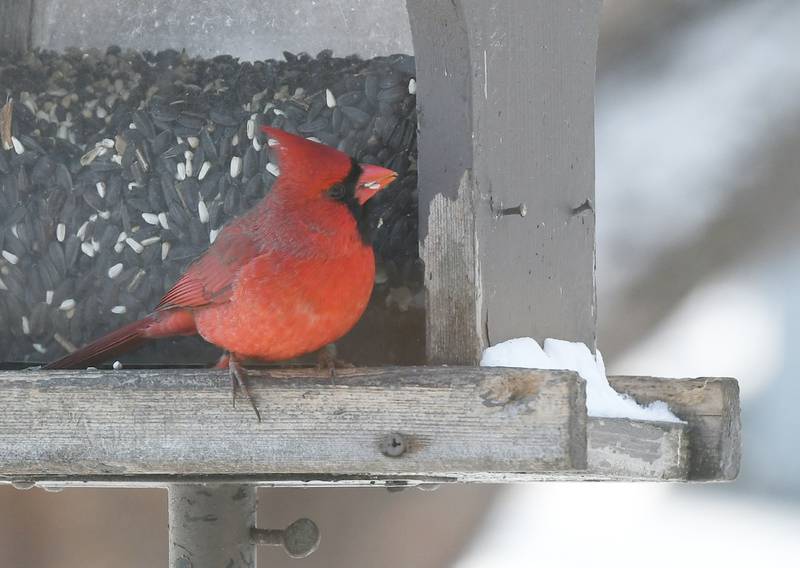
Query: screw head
point(301, 538)
point(393, 445)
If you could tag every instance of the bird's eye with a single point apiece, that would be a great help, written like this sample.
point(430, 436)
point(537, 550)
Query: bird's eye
point(337, 191)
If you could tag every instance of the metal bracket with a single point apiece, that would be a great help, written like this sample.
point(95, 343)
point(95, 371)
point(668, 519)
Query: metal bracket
point(300, 539)
point(214, 525)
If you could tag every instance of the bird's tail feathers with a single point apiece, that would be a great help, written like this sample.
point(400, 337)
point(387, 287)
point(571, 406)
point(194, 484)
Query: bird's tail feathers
point(119, 341)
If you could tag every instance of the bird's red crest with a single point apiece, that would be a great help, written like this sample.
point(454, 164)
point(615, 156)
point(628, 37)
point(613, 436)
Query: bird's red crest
point(311, 164)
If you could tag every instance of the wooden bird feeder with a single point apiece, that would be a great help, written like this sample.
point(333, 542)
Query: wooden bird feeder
point(507, 235)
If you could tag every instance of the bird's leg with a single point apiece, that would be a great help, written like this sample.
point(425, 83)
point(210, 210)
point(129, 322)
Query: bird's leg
point(239, 379)
point(224, 363)
point(326, 359)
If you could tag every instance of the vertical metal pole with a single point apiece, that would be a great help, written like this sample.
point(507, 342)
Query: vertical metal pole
point(209, 526)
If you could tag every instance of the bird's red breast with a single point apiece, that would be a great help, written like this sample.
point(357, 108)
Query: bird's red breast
point(295, 272)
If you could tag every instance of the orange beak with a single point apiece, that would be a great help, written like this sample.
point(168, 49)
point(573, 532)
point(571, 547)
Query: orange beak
point(372, 180)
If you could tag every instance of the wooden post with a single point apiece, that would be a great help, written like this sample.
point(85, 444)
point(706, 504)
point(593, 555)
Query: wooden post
point(15, 24)
point(506, 170)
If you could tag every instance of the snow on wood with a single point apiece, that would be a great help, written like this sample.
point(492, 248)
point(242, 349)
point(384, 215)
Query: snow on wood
point(601, 399)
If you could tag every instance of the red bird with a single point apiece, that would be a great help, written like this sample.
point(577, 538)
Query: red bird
point(288, 277)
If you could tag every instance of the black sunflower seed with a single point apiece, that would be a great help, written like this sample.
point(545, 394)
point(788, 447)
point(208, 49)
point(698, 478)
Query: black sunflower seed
point(371, 86)
point(91, 197)
point(56, 255)
point(223, 117)
point(198, 157)
point(392, 94)
point(351, 98)
point(209, 187)
point(144, 124)
point(162, 142)
point(113, 191)
point(72, 246)
point(231, 202)
point(39, 319)
point(250, 163)
point(193, 122)
point(209, 148)
point(162, 113)
point(14, 246)
point(313, 126)
point(336, 119)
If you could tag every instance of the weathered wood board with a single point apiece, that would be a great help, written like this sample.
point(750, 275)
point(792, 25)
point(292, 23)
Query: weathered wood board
point(710, 406)
point(454, 422)
point(629, 450)
point(151, 427)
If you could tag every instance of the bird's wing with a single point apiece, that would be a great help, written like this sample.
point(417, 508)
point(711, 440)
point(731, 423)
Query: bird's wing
point(209, 279)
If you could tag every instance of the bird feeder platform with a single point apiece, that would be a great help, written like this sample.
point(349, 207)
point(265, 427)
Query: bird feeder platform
point(505, 108)
point(387, 426)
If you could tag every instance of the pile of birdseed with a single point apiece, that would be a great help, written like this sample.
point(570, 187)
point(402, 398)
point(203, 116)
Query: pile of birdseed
point(117, 169)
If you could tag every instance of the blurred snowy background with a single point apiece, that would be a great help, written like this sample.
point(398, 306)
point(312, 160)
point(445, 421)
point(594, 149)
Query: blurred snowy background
point(698, 216)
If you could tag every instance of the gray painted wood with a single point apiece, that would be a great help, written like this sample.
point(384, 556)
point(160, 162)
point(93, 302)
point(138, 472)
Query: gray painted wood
point(454, 421)
point(619, 448)
point(15, 24)
point(710, 406)
point(506, 117)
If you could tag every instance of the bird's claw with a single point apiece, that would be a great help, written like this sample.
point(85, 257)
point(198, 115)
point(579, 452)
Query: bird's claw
point(326, 359)
point(239, 381)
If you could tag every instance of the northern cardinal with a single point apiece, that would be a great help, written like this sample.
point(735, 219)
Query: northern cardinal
point(288, 277)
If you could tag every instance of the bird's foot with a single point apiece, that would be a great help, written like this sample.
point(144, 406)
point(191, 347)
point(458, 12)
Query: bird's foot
point(326, 359)
point(223, 362)
point(239, 381)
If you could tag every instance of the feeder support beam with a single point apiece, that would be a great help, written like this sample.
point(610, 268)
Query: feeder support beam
point(210, 525)
point(506, 170)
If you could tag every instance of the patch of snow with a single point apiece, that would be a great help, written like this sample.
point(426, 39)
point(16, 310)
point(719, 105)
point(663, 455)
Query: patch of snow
point(601, 399)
